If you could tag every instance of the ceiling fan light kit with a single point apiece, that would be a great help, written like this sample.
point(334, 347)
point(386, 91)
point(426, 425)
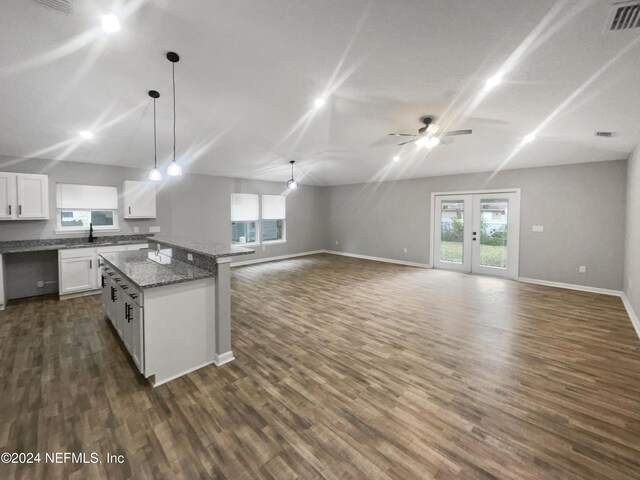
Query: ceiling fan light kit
point(427, 136)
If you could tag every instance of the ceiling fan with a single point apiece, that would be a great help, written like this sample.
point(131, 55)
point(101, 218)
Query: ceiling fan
point(428, 136)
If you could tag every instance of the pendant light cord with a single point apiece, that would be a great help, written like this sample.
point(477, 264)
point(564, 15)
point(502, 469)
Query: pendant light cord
point(155, 143)
point(174, 111)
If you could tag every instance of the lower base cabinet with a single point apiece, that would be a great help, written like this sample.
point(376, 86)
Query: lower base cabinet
point(122, 304)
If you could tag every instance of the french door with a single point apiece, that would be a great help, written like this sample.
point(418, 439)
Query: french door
point(477, 233)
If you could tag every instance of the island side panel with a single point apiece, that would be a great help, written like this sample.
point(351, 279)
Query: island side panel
point(179, 330)
point(223, 311)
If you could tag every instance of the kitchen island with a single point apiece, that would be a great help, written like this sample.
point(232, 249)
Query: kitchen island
point(171, 304)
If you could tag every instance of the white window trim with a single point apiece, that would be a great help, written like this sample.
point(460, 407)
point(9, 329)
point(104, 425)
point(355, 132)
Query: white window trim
point(98, 228)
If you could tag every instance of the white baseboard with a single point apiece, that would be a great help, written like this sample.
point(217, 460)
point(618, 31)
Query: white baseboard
point(273, 259)
point(379, 259)
point(571, 286)
point(223, 358)
point(173, 377)
point(631, 313)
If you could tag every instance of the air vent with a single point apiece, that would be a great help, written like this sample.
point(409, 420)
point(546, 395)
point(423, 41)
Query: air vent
point(605, 134)
point(64, 6)
point(624, 16)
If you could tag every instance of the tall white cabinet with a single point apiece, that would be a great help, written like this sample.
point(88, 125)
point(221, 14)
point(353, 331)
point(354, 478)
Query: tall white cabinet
point(24, 196)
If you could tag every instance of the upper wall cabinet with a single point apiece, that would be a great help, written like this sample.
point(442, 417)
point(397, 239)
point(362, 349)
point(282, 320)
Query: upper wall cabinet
point(139, 199)
point(24, 196)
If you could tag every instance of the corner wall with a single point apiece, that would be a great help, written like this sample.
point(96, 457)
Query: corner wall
point(581, 206)
point(632, 243)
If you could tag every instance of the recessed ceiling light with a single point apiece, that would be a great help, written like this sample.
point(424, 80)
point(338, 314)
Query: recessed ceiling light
point(86, 134)
point(396, 158)
point(529, 138)
point(319, 103)
point(494, 81)
point(110, 23)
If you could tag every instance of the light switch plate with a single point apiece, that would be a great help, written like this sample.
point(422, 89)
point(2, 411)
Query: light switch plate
point(582, 269)
point(136, 229)
point(537, 228)
point(190, 257)
point(154, 229)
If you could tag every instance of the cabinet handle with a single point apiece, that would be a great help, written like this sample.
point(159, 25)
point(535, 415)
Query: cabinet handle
point(19, 209)
point(102, 281)
point(9, 209)
point(90, 264)
point(129, 210)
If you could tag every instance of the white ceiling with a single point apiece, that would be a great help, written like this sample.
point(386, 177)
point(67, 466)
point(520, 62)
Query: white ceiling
point(250, 71)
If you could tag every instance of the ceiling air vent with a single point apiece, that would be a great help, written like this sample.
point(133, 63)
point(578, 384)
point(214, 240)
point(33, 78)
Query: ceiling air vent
point(624, 16)
point(605, 134)
point(64, 6)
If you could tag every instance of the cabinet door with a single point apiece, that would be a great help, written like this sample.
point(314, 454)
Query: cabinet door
point(137, 338)
point(33, 196)
point(77, 274)
point(127, 332)
point(8, 210)
point(139, 199)
point(120, 298)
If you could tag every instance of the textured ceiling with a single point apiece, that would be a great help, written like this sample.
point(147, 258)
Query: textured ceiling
point(250, 71)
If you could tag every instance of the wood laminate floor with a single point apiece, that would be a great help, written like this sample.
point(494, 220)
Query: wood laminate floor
point(344, 368)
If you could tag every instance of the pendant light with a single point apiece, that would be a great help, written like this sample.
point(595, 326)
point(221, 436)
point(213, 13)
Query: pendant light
point(174, 169)
point(155, 174)
point(292, 184)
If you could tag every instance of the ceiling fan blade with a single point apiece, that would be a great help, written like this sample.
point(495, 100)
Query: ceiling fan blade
point(404, 143)
point(402, 134)
point(455, 133)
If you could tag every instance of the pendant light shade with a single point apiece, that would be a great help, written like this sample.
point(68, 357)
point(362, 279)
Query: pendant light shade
point(174, 169)
point(292, 184)
point(154, 175)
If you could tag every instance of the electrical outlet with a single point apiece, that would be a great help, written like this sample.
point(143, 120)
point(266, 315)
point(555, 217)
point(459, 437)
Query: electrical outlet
point(582, 269)
point(136, 229)
point(190, 257)
point(337, 242)
point(537, 228)
point(154, 229)
point(405, 250)
point(264, 248)
point(40, 284)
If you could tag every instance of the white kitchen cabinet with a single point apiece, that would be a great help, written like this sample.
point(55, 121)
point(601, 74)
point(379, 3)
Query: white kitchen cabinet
point(8, 197)
point(77, 270)
point(2, 295)
point(24, 196)
point(139, 199)
point(137, 337)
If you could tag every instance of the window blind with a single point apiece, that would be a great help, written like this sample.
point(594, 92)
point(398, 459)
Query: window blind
point(244, 207)
point(273, 207)
point(86, 197)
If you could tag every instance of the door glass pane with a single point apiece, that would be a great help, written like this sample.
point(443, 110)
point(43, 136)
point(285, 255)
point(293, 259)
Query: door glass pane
point(452, 231)
point(494, 214)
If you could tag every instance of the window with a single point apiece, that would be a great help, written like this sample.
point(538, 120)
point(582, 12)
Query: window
point(245, 218)
point(81, 205)
point(252, 223)
point(273, 218)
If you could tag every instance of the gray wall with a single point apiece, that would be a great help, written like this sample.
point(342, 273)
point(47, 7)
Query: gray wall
point(67, 172)
point(196, 206)
point(632, 244)
point(582, 209)
point(199, 206)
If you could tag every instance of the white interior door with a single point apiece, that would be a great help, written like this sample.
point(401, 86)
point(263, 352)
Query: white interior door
point(477, 233)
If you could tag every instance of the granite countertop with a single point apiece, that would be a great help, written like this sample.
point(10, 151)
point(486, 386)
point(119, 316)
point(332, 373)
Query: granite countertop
point(147, 269)
point(18, 246)
point(209, 249)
